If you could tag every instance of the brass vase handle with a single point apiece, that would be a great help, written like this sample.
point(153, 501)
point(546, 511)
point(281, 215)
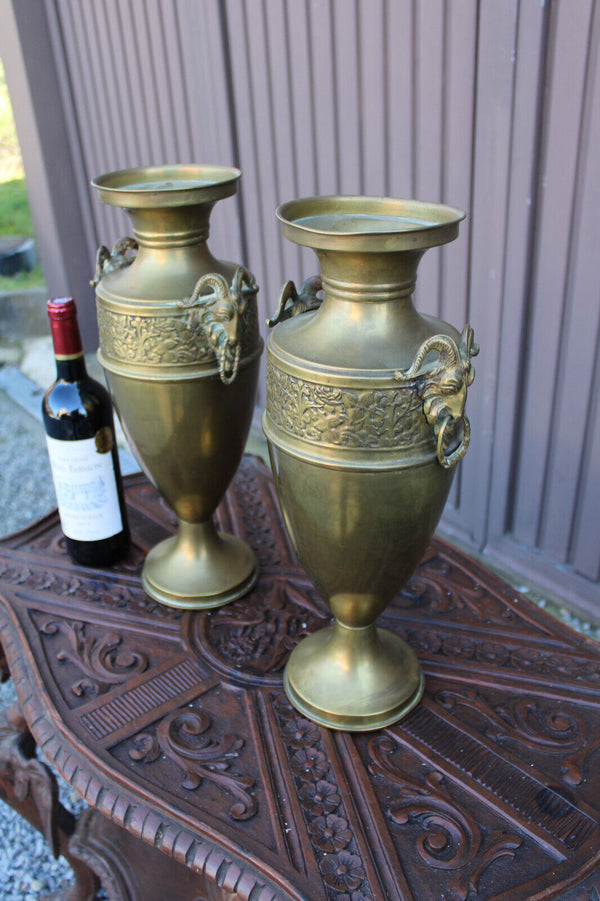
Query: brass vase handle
point(122, 254)
point(444, 390)
point(219, 314)
point(303, 302)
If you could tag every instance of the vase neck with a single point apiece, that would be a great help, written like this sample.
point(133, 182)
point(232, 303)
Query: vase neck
point(369, 277)
point(166, 227)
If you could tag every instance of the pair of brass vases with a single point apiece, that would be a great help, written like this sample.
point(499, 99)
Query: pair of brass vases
point(364, 416)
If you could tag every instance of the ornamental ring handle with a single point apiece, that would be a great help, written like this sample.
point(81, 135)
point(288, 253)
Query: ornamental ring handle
point(443, 389)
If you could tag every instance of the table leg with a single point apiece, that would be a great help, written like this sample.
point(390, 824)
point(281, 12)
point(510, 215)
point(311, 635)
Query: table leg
point(97, 850)
point(131, 870)
point(30, 787)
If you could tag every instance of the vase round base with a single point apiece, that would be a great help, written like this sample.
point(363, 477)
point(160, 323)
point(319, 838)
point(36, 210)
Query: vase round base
point(353, 679)
point(199, 568)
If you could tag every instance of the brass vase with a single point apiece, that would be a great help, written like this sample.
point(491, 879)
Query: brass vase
point(365, 424)
point(180, 346)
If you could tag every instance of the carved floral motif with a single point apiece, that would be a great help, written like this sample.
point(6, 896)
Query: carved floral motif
point(450, 838)
point(164, 340)
point(328, 824)
point(254, 640)
point(360, 418)
point(343, 871)
point(330, 833)
point(256, 512)
point(320, 797)
point(103, 660)
point(183, 736)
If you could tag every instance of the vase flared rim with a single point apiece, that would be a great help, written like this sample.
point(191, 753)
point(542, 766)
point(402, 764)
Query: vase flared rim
point(360, 222)
point(180, 184)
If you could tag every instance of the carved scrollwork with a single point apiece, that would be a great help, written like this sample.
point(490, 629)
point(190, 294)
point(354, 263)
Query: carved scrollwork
point(183, 737)
point(103, 660)
point(219, 315)
point(526, 722)
point(445, 589)
point(451, 839)
point(543, 661)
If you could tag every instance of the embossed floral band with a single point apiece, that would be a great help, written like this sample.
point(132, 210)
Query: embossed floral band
point(180, 345)
point(365, 422)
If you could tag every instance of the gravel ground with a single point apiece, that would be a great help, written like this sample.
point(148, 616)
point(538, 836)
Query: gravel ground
point(27, 867)
point(26, 490)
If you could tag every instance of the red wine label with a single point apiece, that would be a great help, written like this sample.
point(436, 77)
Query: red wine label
point(86, 488)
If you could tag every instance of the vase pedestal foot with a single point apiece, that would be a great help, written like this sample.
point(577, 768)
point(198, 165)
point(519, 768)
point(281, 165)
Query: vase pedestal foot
point(199, 568)
point(353, 679)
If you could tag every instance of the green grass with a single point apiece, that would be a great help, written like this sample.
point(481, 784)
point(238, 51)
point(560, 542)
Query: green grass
point(15, 219)
point(15, 216)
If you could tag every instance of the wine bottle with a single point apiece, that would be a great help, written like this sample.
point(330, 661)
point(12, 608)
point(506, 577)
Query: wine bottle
point(78, 419)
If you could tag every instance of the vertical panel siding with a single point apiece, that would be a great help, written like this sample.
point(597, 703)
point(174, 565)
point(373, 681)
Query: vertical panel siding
point(570, 25)
point(400, 112)
point(373, 97)
point(492, 107)
point(460, 66)
point(346, 75)
point(574, 407)
point(428, 88)
point(518, 269)
point(204, 62)
point(147, 82)
point(584, 539)
point(491, 166)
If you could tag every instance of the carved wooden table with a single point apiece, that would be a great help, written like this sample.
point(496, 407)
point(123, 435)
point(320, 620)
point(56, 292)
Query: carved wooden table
point(202, 780)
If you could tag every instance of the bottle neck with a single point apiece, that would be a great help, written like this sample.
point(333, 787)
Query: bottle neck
point(71, 369)
point(66, 340)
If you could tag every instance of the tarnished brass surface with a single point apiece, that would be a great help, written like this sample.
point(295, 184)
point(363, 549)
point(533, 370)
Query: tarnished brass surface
point(338, 671)
point(180, 345)
point(365, 423)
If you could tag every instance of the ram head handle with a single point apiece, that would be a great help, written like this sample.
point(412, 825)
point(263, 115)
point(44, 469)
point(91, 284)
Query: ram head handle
point(303, 302)
point(443, 388)
point(122, 254)
point(218, 309)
